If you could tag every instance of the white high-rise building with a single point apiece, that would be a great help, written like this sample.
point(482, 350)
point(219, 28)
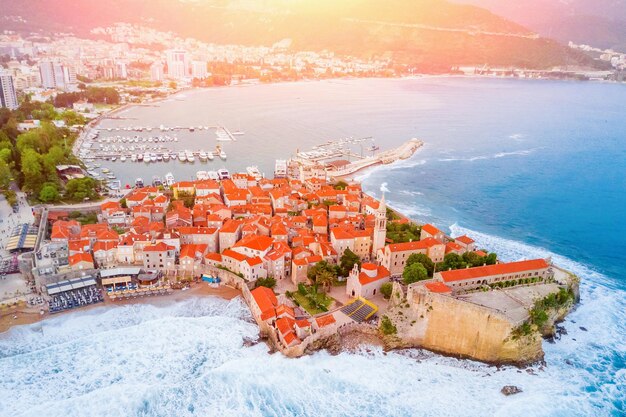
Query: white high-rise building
point(8, 97)
point(177, 63)
point(56, 75)
point(156, 71)
point(198, 69)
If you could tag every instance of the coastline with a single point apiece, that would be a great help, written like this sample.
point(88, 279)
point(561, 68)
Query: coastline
point(27, 316)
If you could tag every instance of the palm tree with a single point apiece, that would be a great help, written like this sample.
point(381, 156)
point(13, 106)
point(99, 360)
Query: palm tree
point(325, 279)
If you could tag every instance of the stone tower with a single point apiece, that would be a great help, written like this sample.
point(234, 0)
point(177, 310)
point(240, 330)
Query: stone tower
point(380, 229)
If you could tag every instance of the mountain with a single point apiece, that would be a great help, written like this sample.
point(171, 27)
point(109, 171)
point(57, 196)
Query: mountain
point(430, 34)
point(600, 23)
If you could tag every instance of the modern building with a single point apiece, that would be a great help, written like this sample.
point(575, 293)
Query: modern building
point(156, 71)
point(178, 63)
point(56, 75)
point(199, 69)
point(8, 97)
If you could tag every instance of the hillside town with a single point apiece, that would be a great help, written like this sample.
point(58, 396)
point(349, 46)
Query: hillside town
point(310, 257)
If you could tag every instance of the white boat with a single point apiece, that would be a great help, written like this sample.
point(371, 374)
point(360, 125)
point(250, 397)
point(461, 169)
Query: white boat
point(190, 156)
point(202, 175)
point(133, 158)
point(173, 155)
point(153, 158)
point(159, 157)
point(169, 179)
point(181, 156)
point(254, 172)
point(223, 155)
point(213, 175)
point(210, 156)
point(203, 156)
point(123, 158)
point(139, 183)
point(114, 159)
point(166, 157)
point(146, 157)
point(238, 133)
point(105, 170)
point(140, 157)
point(111, 176)
point(223, 174)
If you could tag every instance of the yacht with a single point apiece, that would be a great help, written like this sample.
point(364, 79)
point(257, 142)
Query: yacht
point(169, 179)
point(190, 156)
point(156, 181)
point(238, 133)
point(210, 156)
point(223, 155)
point(139, 183)
point(166, 157)
point(146, 157)
point(181, 156)
point(202, 175)
point(223, 174)
point(173, 155)
point(133, 158)
point(139, 157)
point(123, 158)
point(203, 156)
point(254, 172)
point(105, 170)
point(213, 175)
point(153, 158)
point(111, 176)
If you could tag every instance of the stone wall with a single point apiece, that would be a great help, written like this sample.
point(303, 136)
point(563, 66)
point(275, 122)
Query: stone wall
point(445, 324)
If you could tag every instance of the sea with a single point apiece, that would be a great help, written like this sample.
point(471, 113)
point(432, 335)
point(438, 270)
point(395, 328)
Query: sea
point(529, 168)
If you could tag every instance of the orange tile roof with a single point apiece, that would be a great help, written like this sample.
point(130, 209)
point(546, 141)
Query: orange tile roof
point(464, 239)
point(104, 245)
point(415, 245)
point(255, 242)
point(234, 255)
point(231, 226)
point(196, 230)
point(284, 309)
point(430, 229)
point(80, 257)
point(266, 300)
point(381, 273)
point(254, 261)
point(159, 247)
point(490, 270)
point(438, 287)
point(453, 246)
point(325, 320)
point(340, 234)
point(213, 257)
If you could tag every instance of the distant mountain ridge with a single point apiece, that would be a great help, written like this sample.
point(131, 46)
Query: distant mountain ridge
point(426, 33)
point(600, 23)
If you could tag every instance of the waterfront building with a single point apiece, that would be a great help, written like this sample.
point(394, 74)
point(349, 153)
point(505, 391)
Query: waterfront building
point(156, 72)
point(8, 96)
point(428, 230)
point(199, 69)
point(159, 256)
point(514, 273)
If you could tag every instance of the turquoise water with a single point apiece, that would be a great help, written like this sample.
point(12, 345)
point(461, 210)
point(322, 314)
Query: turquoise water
point(528, 168)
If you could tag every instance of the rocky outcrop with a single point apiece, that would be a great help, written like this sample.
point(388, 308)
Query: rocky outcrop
point(450, 325)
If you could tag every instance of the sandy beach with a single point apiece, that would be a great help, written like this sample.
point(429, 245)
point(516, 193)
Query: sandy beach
point(28, 315)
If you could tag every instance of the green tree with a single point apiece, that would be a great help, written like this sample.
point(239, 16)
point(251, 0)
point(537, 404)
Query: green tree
point(422, 259)
point(341, 185)
point(269, 282)
point(347, 261)
point(5, 174)
point(49, 193)
point(319, 269)
point(31, 168)
point(451, 261)
point(413, 273)
point(325, 279)
point(79, 189)
point(386, 289)
point(387, 327)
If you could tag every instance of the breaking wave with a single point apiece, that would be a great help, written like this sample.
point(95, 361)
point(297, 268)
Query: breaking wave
point(494, 156)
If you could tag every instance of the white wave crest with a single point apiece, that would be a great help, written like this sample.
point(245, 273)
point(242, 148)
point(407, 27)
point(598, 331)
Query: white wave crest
point(523, 152)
